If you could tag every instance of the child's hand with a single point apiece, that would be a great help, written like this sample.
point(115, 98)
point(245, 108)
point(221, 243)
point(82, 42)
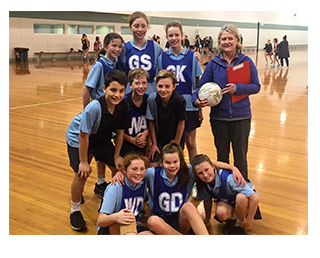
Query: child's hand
point(118, 177)
point(118, 161)
point(84, 170)
point(237, 177)
point(152, 151)
point(141, 140)
point(125, 217)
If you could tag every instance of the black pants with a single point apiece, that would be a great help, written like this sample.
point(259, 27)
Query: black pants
point(236, 133)
point(287, 61)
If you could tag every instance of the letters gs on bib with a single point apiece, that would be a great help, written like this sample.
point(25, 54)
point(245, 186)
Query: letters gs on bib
point(143, 62)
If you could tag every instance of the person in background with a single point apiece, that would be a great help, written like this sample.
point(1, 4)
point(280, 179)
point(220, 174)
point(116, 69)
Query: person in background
point(97, 46)
point(85, 46)
point(284, 50)
point(268, 49)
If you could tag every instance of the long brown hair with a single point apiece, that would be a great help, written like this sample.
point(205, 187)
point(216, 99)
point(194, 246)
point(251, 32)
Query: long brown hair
point(184, 173)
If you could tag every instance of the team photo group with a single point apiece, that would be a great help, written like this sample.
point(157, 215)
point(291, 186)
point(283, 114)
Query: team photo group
point(142, 106)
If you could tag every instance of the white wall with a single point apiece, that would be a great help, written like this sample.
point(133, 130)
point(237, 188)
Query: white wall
point(21, 30)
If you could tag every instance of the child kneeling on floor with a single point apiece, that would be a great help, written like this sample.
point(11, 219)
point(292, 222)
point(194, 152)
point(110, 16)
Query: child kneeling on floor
point(219, 184)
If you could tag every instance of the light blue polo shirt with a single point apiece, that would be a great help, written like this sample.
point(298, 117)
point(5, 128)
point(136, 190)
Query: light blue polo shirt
point(231, 187)
point(112, 198)
point(96, 78)
point(196, 72)
point(87, 121)
point(150, 175)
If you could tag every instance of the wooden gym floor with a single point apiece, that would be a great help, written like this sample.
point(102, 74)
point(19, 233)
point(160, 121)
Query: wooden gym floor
point(44, 97)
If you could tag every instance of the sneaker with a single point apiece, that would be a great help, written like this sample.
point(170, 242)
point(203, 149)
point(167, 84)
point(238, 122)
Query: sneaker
point(77, 221)
point(229, 227)
point(99, 189)
point(239, 231)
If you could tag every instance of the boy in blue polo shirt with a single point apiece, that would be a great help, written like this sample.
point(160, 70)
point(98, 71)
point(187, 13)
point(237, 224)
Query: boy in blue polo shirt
point(89, 135)
point(220, 185)
point(166, 113)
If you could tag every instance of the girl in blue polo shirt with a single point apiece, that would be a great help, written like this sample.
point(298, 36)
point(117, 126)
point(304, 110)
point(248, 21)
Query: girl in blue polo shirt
point(140, 52)
point(169, 190)
point(122, 205)
point(93, 88)
point(219, 184)
point(185, 65)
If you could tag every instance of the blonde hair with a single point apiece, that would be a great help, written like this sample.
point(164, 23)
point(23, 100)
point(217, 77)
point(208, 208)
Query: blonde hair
point(234, 31)
point(136, 74)
point(163, 74)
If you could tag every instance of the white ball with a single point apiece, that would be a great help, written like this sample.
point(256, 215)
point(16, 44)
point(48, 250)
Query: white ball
point(212, 92)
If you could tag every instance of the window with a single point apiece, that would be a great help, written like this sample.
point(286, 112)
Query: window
point(80, 29)
point(44, 28)
point(104, 30)
point(125, 31)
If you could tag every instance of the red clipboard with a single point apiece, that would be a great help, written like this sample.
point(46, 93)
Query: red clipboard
point(239, 74)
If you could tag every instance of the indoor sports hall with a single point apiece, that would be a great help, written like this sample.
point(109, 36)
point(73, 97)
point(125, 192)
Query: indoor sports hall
point(45, 93)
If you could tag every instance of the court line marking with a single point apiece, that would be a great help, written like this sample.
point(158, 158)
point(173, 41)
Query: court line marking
point(44, 103)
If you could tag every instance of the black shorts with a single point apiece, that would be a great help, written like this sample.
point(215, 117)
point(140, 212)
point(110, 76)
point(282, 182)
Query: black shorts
point(127, 148)
point(172, 220)
point(103, 152)
point(192, 121)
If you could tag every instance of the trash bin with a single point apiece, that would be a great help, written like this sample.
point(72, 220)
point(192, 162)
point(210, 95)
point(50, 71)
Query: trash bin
point(21, 54)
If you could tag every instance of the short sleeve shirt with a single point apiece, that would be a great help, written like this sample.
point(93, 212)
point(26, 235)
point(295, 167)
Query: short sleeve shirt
point(166, 118)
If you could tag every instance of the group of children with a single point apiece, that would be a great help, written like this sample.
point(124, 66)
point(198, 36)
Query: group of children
point(140, 128)
point(272, 53)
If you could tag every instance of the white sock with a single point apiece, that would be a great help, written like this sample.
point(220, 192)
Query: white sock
point(75, 206)
point(101, 180)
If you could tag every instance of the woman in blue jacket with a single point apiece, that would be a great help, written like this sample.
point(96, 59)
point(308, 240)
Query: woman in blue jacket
point(230, 122)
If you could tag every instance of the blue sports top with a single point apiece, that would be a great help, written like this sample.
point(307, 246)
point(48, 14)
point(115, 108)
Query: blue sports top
point(145, 58)
point(187, 68)
point(224, 187)
point(97, 74)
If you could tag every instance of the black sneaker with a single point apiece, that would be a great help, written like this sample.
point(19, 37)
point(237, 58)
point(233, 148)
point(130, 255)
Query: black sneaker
point(99, 189)
point(77, 221)
point(229, 227)
point(239, 231)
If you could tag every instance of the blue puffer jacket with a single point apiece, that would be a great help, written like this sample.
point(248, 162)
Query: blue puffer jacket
point(216, 71)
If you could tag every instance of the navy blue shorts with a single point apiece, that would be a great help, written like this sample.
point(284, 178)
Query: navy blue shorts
point(192, 121)
point(172, 220)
